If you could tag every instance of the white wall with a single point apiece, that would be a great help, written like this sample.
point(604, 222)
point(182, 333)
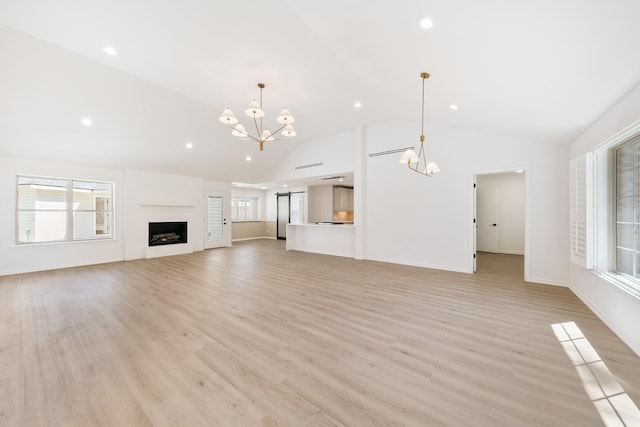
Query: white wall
point(336, 153)
point(43, 256)
point(416, 220)
point(619, 310)
point(510, 188)
point(270, 205)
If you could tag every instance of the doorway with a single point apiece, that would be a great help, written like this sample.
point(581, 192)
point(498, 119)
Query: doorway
point(290, 209)
point(500, 222)
point(283, 215)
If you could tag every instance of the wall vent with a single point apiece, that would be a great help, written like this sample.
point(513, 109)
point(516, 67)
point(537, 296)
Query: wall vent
point(332, 177)
point(310, 165)
point(394, 151)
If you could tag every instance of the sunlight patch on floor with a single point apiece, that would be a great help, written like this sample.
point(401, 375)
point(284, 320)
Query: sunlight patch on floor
point(614, 405)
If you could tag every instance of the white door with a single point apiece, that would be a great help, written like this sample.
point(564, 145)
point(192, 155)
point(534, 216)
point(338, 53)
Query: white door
point(487, 219)
point(215, 220)
point(475, 223)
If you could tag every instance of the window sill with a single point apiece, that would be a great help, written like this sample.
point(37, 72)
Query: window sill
point(620, 282)
point(64, 242)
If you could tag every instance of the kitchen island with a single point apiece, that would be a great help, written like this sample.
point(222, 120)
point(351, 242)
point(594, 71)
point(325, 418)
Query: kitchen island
point(326, 238)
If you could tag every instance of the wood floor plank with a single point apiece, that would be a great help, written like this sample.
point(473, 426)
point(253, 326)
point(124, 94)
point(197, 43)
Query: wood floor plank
point(254, 335)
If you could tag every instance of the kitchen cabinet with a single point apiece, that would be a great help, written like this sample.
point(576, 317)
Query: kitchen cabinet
point(343, 199)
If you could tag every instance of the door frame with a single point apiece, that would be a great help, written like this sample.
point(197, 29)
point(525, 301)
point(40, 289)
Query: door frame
point(278, 195)
point(289, 193)
point(527, 216)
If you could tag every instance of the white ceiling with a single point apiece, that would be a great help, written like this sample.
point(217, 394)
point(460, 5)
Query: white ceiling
point(542, 70)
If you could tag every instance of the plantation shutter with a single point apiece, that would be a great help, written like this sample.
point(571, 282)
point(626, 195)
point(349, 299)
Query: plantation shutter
point(581, 191)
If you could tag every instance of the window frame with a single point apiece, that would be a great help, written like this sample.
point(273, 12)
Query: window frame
point(69, 211)
point(603, 220)
point(635, 183)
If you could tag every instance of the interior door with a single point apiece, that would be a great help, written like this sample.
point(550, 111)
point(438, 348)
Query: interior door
point(283, 215)
point(475, 223)
point(487, 219)
point(215, 220)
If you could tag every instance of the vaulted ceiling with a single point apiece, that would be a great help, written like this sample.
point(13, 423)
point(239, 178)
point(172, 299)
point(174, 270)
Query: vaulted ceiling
point(542, 70)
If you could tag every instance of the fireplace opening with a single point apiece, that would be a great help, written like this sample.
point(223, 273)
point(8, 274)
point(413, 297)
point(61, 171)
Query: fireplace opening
point(167, 233)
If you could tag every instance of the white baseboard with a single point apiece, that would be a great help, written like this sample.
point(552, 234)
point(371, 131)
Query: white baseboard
point(508, 252)
point(58, 266)
point(253, 238)
point(551, 282)
point(432, 266)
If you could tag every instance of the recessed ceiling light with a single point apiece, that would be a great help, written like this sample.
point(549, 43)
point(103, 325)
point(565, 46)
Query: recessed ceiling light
point(110, 50)
point(341, 180)
point(285, 185)
point(248, 158)
point(263, 188)
point(519, 170)
point(357, 104)
point(189, 145)
point(86, 121)
point(426, 22)
point(454, 106)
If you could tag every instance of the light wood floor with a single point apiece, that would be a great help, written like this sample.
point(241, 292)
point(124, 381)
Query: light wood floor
point(257, 336)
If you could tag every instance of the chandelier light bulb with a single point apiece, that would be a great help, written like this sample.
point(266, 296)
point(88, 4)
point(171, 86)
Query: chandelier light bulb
point(254, 111)
point(239, 130)
point(285, 117)
point(409, 157)
point(228, 117)
point(432, 168)
point(288, 131)
point(266, 136)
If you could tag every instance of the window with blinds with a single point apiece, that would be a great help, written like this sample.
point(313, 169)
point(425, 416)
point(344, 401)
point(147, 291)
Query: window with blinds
point(580, 180)
point(59, 210)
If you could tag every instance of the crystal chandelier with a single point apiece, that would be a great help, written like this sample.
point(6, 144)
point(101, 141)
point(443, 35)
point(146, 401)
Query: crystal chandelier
point(418, 163)
point(256, 113)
